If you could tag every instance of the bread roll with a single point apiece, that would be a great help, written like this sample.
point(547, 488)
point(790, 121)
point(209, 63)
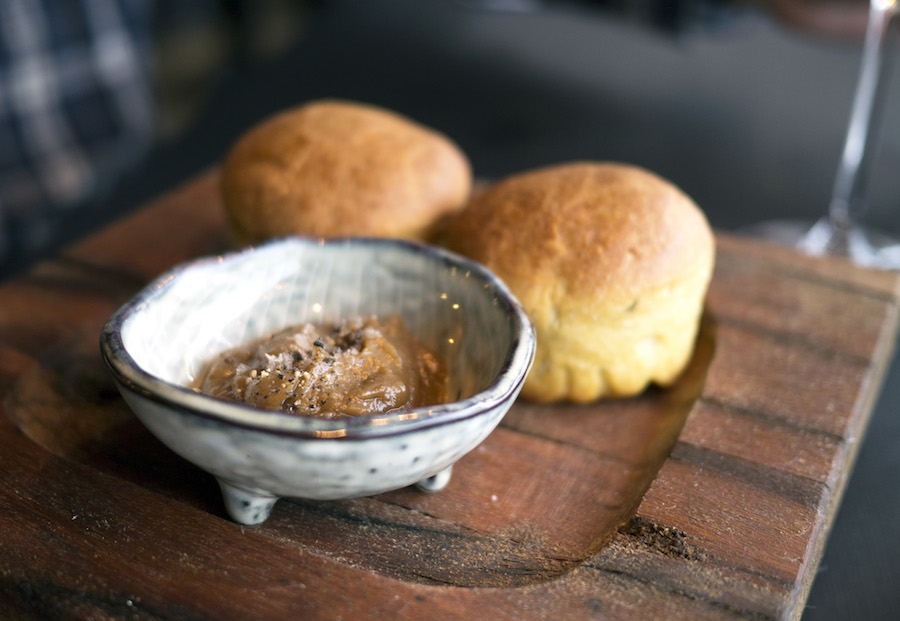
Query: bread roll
point(334, 168)
point(611, 262)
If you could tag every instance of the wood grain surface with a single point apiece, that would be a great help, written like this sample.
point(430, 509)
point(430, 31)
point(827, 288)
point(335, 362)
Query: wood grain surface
point(709, 500)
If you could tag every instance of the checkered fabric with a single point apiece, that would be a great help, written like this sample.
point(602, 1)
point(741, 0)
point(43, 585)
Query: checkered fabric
point(76, 108)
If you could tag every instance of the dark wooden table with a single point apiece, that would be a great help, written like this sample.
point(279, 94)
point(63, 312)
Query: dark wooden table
point(712, 499)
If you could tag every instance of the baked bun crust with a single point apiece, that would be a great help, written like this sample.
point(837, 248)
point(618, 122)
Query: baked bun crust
point(334, 168)
point(612, 264)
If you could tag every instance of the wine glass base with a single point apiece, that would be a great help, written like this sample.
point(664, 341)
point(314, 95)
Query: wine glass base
point(862, 246)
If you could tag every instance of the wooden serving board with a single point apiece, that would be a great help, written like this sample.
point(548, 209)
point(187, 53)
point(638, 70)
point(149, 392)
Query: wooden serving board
point(710, 499)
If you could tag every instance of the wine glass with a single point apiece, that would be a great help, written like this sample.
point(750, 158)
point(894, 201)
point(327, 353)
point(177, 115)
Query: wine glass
point(840, 231)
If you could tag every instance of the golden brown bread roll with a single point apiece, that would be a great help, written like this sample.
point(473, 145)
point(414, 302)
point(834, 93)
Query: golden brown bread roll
point(612, 264)
point(333, 168)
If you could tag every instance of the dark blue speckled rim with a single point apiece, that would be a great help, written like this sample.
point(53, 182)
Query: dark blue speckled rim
point(515, 367)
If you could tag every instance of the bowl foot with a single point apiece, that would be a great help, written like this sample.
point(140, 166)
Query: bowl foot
point(247, 506)
point(437, 482)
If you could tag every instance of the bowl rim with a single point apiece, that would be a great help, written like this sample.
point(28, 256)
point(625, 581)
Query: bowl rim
point(505, 385)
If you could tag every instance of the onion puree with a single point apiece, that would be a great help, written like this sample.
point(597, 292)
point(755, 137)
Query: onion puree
point(359, 366)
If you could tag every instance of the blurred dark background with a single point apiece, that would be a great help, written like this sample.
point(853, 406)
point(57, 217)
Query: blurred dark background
point(744, 106)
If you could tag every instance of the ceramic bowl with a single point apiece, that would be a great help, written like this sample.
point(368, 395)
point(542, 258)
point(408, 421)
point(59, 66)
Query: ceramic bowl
point(156, 344)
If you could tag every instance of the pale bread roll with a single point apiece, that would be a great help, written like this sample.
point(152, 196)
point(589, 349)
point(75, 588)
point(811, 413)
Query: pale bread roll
point(335, 168)
point(612, 264)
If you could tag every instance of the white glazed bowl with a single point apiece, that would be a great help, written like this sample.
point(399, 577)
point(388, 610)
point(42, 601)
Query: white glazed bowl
point(156, 344)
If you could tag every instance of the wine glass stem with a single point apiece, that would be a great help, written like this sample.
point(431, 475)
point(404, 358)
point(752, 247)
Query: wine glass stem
point(849, 186)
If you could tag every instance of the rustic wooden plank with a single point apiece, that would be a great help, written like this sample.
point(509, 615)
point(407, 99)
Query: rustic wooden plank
point(834, 270)
point(731, 525)
point(830, 315)
point(50, 305)
point(186, 223)
point(782, 412)
point(745, 515)
point(493, 520)
point(770, 376)
point(776, 443)
point(100, 547)
point(662, 556)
